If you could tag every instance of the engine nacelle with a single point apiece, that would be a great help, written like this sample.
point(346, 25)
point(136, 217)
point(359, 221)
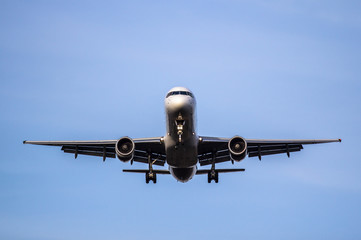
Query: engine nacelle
point(237, 147)
point(124, 148)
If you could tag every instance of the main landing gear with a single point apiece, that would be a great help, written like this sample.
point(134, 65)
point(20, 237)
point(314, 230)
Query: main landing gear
point(213, 174)
point(150, 176)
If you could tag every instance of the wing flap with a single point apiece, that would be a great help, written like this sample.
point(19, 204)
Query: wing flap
point(216, 160)
point(89, 153)
point(158, 171)
point(225, 170)
point(92, 148)
point(271, 152)
point(145, 160)
point(264, 150)
point(209, 155)
point(272, 147)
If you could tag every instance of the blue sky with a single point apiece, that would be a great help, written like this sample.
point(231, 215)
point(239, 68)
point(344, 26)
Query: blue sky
point(100, 70)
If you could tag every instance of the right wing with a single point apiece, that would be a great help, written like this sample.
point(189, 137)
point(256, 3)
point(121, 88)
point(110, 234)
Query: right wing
point(255, 147)
point(106, 148)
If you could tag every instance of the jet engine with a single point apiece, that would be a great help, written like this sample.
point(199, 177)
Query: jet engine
point(237, 147)
point(124, 148)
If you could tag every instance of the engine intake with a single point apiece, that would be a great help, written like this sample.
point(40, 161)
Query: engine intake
point(237, 147)
point(124, 148)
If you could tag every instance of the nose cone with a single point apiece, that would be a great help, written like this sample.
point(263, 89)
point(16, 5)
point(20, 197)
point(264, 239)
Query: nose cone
point(183, 174)
point(180, 104)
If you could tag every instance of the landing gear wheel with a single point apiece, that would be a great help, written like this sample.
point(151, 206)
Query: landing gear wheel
point(213, 177)
point(150, 177)
point(155, 178)
point(216, 178)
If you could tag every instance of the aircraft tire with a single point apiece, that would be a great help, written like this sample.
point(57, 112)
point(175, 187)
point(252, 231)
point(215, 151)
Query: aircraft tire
point(155, 178)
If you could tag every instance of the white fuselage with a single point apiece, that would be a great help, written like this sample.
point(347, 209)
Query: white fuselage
point(181, 140)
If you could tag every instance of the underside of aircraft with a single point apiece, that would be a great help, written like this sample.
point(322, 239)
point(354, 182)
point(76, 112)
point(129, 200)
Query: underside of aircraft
point(181, 148)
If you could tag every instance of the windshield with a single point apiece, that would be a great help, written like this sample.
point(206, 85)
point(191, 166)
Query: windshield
point(180, 93)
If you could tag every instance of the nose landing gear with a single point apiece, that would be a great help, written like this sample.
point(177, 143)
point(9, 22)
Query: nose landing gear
point(180, 123)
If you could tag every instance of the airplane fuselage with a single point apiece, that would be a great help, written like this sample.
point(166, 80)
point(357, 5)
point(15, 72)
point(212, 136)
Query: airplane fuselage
point(181, 139)
point(181, 148)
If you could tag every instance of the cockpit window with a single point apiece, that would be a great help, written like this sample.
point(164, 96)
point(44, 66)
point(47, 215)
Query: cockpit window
point(180, 93)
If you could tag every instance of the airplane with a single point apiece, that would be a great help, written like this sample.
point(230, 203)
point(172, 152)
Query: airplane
point(181, 148)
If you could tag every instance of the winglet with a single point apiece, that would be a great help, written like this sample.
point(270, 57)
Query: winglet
point(340, 140)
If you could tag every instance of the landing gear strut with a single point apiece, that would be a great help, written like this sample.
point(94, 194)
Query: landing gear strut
point(213, 174)
point(180, 123)
point(150, 176)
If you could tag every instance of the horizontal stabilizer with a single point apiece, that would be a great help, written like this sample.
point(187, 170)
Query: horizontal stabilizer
point(206, 171)
point(146, 171)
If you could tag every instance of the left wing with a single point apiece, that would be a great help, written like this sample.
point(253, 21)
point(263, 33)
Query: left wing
point(106, 148)
point(255, 147)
